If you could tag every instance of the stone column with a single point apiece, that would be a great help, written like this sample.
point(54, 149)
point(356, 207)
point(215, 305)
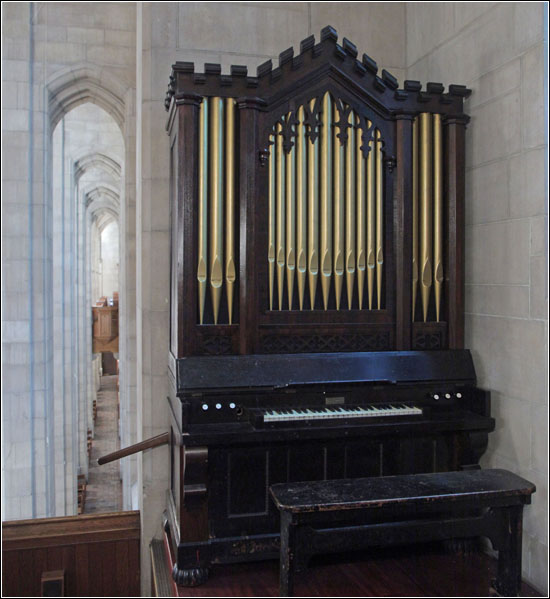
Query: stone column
point(127, 306)
point(26, 278)
point(153, 276)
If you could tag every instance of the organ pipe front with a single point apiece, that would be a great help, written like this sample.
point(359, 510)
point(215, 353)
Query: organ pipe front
point(217, 207)
point(326, 199)
point(327, 195)
point(427, 216)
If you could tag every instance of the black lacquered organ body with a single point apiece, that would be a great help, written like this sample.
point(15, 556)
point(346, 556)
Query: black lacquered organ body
point(317, 289)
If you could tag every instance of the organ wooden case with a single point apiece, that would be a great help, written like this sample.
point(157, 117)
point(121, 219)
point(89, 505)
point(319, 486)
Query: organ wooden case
point(317, 275)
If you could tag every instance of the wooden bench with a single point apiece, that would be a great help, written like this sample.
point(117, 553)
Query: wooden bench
point(339, 515)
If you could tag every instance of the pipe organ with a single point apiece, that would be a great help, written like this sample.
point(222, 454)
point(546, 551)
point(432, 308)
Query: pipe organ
point(317, 284)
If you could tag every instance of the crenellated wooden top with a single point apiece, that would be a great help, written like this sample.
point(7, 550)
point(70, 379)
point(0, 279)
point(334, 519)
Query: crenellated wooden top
point(339, 61)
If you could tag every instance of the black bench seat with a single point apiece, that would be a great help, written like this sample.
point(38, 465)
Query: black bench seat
point(338, 515)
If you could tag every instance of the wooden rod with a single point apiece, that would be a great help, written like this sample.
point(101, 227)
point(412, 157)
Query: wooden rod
point(230, 269)
point(414, 215)
point(161, 439)
point(438, 213)
point(203, 207)
point(379, 219)
point(271, 243)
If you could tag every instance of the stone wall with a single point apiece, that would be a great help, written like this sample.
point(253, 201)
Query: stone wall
point(498, 50)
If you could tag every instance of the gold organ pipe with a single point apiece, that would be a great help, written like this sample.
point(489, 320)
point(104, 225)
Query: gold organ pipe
point(379, 219)
point(290, 185)
point(313, 214)
point(326, 200)
point(339, 218)
point(280, 212)
point(350, 208)
point(230, 270)
point(216, 204)
point(271, 224)
point(360, 202)
point(438, 212)
point(414, 214)
point(202, 268)
point(425, 210)
point(371, 233)
point(301, 208)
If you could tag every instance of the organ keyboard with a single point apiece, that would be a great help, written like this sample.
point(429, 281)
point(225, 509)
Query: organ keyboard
point(309, 415)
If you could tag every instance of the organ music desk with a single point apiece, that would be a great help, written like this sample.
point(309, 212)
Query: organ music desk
point(317, 289)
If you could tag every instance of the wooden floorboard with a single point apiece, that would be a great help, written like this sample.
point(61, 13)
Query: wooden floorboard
point(419, 571)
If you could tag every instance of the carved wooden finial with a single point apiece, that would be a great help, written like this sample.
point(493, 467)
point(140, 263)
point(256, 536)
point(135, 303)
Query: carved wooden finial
point(239, 70)
point(265, 68)
point(459, 90)
point(211, 68)
point(307, 43)
point(435, 88)
point(370, 64)
point(329, 33)
point(286, 56)
point(412, 86)
point(389, 79)
point(350, 48)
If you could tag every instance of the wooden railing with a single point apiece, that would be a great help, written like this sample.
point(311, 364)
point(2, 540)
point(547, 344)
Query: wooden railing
point(99, 555)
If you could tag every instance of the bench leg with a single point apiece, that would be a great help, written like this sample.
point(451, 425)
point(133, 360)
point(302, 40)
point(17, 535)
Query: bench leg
point(508, 581)
point(288, 556)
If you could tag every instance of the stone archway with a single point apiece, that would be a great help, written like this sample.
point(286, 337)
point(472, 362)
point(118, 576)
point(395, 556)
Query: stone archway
point(66, 90)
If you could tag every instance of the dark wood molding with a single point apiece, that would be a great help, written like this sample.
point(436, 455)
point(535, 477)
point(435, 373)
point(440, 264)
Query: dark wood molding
point(402, 234)
point(456, 222)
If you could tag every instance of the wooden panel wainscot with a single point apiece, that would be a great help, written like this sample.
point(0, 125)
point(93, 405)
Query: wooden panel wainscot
point(99, 555)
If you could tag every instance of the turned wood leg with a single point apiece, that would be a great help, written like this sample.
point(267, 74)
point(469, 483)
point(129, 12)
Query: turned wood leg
point(287, 566)
point(508, 581)
point(190, 577)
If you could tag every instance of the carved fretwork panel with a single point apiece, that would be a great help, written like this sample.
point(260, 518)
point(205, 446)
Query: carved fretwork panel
point(298, 343)
point(429, 336)
point(215, 343)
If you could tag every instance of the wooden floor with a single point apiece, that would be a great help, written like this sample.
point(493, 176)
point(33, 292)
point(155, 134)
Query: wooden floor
point(419, 571)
